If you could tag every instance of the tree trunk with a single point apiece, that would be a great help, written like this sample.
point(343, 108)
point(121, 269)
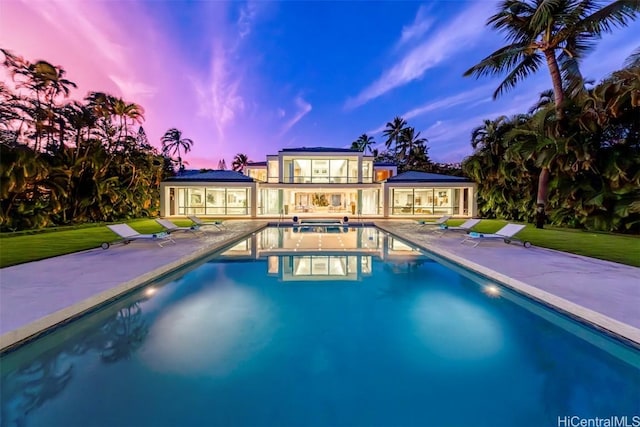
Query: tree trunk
point(541, 199)
point(558, 97)
point(556, 80)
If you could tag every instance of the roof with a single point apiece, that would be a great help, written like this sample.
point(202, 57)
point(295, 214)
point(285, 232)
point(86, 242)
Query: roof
point(250, 164)
point(320, 150)
point(415, 176)
point(384, 164)
point(217, 175)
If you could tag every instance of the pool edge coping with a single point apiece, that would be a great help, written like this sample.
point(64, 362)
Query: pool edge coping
point(613, 327)
point(17, 337)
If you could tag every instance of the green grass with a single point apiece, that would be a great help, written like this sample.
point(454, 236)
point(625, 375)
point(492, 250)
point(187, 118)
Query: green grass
point(17, 248)
point(611, 247)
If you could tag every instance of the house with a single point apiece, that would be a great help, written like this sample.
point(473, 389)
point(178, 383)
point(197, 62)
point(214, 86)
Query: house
point(317, 182)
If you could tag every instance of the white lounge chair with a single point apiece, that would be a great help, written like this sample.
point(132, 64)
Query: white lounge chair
point(465, 226)
point(506, 233)
point(437, 223)
point(171, 227)
point(128, 235)
point(202, 223)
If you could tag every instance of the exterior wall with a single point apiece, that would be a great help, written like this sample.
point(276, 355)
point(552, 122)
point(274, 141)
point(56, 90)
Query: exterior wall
point(283, 192)
point(412, 199)
point(212, 199)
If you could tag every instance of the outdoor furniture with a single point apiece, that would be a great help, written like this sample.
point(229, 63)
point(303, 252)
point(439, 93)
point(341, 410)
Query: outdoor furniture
point(438, 222)
point(506, 233)
point(128, 235)
point(466, 227)
point(171, 227)
point(202, 223)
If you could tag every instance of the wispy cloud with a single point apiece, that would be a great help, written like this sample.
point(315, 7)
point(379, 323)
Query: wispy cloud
point(303, 109)
point(219, 96)
point(419, 27)
point(459, 34)
point(247, 16)
point(470, 97)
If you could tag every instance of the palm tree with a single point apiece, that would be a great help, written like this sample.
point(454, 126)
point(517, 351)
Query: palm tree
point(363, 143)
point(239, 162)
point(172, 142)
point(410, 142)
point(557, 32)
point(393, 132)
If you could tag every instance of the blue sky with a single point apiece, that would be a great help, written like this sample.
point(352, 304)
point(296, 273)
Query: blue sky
point(257, 76)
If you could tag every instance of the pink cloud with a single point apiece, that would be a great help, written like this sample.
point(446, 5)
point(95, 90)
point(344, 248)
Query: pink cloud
point(122, 51)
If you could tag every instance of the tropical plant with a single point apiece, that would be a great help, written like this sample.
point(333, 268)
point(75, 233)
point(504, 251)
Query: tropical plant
point(556, 32)
point(240, 161)
point(364, 143)
point(393, 132)
point(172, 142)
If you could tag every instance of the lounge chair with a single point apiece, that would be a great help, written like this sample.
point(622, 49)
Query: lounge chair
point(506, 233)
point(128, 235)
point(170, 227)
point(202, 223)
point(466, 227)
point(437, 223)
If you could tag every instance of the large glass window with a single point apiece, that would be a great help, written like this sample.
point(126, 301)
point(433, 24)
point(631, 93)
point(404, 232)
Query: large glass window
point(353, 171)
point(338, 170)
point(321, 171)
point(270, 203)
point(370, 202)
point(402, 201)
point(425, 201)
point(258, 174)
point(213, 201)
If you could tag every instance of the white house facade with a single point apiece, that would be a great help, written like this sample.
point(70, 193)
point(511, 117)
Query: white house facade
point(317, 182)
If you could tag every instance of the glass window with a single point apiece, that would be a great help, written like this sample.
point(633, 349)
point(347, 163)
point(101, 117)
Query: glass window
point(353, 170)
point(320, 170)
point(270, 202)
point(402, 201)
point(273, 170)
point(367, 171)
point(370, 202)
point(302, 170)
point(338, 170)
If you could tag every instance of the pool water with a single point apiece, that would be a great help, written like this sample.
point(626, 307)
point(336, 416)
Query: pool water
point(324, 328)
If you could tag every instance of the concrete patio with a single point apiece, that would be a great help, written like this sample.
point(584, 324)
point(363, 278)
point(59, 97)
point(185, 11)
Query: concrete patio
point(38, 295)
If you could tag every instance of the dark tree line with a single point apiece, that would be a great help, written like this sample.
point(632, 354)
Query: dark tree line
point(67, 162)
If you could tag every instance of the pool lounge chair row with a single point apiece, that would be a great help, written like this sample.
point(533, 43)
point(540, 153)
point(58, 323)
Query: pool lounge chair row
point(129, 235)
point(506, 233)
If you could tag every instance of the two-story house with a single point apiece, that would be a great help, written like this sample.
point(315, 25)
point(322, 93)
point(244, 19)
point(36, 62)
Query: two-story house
point(317, 182)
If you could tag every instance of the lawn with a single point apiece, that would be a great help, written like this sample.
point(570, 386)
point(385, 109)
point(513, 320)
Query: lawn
point(620, 248)
point(17, 248)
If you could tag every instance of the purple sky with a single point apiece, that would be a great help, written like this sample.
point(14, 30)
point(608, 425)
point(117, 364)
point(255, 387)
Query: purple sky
point(253, 77)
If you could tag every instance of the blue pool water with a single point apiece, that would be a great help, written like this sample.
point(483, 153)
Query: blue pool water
point(323, 328)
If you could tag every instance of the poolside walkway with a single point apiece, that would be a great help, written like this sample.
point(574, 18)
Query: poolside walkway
point(37, 295)
point(586, 287)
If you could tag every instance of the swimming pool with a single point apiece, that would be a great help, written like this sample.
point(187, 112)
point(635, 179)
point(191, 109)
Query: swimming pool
point(320, 326)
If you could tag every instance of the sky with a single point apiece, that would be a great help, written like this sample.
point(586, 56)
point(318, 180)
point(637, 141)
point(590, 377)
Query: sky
point(254, 77)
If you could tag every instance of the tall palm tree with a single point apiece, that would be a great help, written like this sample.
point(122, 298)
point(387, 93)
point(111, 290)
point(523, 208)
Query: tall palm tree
point(239, 162)
point(393, 132)
point(172, 142)
point(558, 32)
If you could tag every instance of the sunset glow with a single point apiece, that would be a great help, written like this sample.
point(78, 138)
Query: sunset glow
point(254, 77)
